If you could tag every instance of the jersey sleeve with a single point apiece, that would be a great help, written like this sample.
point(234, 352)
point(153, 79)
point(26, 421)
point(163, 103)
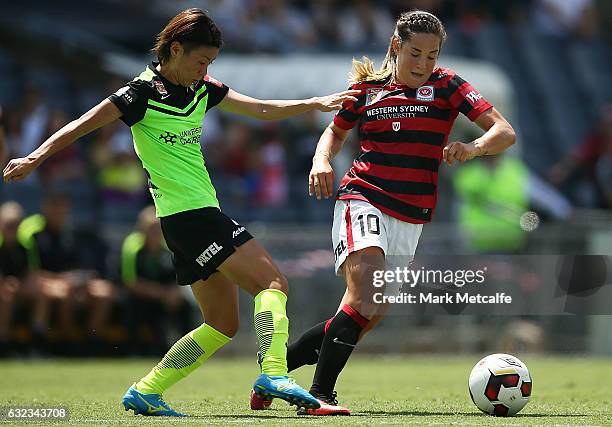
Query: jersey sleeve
point(131, 100)
point(348, 116)
point(466, 99)
point(216, 91)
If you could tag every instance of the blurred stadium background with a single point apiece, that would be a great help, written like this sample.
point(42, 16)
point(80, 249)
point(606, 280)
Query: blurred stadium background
point(544, 63)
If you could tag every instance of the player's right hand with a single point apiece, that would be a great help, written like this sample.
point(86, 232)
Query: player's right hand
point(18, 169)
point(321, 178)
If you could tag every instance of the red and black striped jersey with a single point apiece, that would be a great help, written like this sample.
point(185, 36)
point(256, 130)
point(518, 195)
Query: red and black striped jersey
point(402, 132)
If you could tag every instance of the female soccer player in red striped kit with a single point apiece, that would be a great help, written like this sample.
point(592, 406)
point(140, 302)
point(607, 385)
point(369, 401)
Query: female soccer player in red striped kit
point(404, 115)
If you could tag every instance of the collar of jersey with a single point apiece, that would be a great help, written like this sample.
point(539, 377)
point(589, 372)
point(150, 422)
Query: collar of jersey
point(153, 67)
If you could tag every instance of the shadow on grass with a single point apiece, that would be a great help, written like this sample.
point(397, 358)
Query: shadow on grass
point(375, 414)
point(253, 417)
point(465, 414)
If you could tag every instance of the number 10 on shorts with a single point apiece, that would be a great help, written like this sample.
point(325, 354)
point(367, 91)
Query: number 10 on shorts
point(369, 223)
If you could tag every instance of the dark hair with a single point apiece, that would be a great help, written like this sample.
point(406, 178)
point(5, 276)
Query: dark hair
point(192, 28)
point(408, 24)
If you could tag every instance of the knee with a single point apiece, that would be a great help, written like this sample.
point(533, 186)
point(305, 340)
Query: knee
point(228, 327)
point(276, 281)
point(281, 283)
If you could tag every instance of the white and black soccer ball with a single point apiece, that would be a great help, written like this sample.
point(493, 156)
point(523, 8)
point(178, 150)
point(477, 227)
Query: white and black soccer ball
point(500, 385)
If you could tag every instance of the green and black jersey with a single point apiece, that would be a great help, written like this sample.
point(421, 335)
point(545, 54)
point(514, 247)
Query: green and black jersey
point(166, 122)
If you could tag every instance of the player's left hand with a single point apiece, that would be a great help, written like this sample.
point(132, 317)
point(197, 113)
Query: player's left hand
point(460, 151)
point(335, 100)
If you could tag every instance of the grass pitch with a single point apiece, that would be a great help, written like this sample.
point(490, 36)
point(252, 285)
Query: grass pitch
point(380, 390)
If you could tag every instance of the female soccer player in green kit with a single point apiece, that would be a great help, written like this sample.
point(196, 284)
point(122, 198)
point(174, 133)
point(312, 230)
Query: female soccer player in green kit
point(165, 107)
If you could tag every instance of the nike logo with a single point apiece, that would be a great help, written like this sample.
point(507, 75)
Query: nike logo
point(337, 341)
point(152, 409)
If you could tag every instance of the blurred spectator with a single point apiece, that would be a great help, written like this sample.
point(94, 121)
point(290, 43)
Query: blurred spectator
point(325, 22)
point(494, 195)
point(583, 174)
point(52, 255)
point(12, 131)
point(604, 12)
point(3, 147)
point(302, 134)
point(238, 160)
point(34, 119)
point(497, 193)
point(603, 171)
point(66, 165)
point(281, 28)
point(121, 181)
point(365, 26)
point(13, 270)
point(232, 17)
point(148, 275)
point(563, 18)
point(273, 185)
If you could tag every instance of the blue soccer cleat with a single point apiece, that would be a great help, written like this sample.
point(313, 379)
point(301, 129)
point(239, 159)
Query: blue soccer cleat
point(147, 404)
point(285, 388)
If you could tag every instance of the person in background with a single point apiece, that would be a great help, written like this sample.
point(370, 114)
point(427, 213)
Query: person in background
point(52, 257)
point(13, 270)
point(3, 147)
point(154, 300)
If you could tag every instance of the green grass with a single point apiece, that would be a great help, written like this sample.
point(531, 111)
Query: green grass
point(380, 390)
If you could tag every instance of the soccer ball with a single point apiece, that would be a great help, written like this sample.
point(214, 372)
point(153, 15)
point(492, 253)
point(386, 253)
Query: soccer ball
point(500, 385)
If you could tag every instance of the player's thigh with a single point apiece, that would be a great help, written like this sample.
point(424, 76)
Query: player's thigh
point(359, 270)
point(252, 268)
point(201, 240)
point(217, 298)
point(403, 241)
point(357, 225)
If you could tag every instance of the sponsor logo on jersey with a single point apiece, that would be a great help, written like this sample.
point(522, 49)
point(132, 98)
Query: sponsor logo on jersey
point(210, 251)
point(168, 138)
point(397, 112)
point(473, 97)
point(373, 95)
point(155, 193)
point(160, 88)
point(212, 80)
point(396, 126)
point(235, 233)
point(123, 93)
point(340, 248)
point(189, 136)
point(425, 93)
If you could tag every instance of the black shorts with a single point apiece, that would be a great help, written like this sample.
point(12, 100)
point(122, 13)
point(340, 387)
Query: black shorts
point(200, 241)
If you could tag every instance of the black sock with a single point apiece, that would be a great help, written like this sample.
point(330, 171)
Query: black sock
point(305, 351)
point(338, 344)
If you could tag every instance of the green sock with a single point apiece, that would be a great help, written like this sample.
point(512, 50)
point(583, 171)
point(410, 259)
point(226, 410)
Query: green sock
point(183, 358)
point(272, 329)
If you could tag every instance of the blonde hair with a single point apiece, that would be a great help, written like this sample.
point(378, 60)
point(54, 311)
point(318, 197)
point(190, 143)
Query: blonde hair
point(408, 24)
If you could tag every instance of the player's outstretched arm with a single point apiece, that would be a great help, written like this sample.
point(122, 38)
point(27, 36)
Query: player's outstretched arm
point(321, 178)
point(498, 136)
point(100, 115)
point(238, 103)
